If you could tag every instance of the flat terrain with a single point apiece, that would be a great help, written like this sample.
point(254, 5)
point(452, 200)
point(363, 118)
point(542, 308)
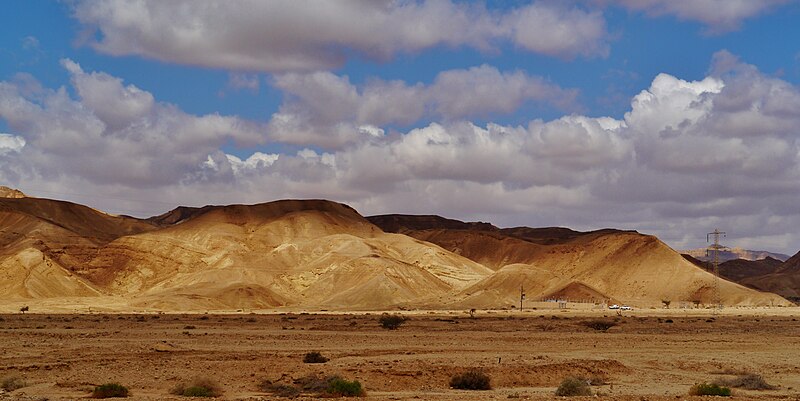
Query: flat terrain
point(647, 355)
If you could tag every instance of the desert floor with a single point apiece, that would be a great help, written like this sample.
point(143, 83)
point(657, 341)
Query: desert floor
point(648, 355)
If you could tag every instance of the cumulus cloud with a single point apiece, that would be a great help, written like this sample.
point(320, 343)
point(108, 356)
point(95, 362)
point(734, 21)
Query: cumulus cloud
point(327, 110)
point(11, 143)
point(276, 36)
point(112, 133)
point(689, 156)
point(718, 15)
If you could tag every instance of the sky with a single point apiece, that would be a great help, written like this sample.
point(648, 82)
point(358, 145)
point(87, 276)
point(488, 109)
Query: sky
point(672, 118)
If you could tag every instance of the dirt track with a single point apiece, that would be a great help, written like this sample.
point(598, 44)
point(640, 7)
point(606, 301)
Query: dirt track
point(527, 355)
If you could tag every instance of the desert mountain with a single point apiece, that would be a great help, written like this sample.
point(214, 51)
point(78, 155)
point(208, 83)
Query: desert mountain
point(43, 241)
point(601, 265)
point(733, 254)
point(737, 270)
point(6, 192)
point(317, 254)
point(785, 280)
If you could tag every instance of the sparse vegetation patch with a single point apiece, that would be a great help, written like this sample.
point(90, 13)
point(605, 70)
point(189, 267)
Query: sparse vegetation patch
point(110, 390)
point(12, 383)
point(473, 379)
point(599, 325)
point(391, 322)
point(314, 357)
point(198, 388)
point(747, 381)
point(710, 389)
point(573, 386)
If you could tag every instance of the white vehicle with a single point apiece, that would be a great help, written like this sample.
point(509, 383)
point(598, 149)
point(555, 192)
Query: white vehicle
point(625, 307)
point(615, 306)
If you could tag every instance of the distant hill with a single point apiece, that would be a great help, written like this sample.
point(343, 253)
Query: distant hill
point(734, 253)
point(318, 254)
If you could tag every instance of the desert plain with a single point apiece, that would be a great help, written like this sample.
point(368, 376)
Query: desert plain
point(648, 354)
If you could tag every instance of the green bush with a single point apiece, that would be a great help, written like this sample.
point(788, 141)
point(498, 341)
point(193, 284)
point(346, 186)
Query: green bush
point(709, 389)
point(473, 379)
point(573, 386)
point(747, 381)
point(314, 357)
point(110, 390)
point(391, 322)
point(339, 387)
point(12, 383)
point(198, 388)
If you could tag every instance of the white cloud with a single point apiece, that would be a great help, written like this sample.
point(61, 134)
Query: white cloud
point(11, 143)
point(239, 81)
point(275, 36)
point(113, 133)
point(718, 15)
point(689, 156)
point(327, 110)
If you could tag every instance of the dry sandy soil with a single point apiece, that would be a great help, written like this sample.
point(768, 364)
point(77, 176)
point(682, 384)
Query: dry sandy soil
point(648, 355)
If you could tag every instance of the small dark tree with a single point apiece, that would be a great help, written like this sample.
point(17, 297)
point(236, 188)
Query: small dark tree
point(391, 322)
point(666, 303)
point(24, 309)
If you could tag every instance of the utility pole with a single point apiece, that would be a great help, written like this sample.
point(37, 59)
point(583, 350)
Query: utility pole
point(714, 249)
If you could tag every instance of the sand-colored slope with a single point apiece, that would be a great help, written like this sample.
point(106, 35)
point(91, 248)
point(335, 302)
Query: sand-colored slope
point(623, 266)
point(30, 274)
point(785, 280)
point(315, 254)
point(642, 270)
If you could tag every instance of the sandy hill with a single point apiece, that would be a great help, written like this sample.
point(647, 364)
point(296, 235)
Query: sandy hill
point(784, 280)
point(615, 265)
point(317, 254)
point(314, 254)
point(43, 241)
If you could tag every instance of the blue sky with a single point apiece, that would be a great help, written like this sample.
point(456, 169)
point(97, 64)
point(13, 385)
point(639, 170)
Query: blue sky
point(665, 117)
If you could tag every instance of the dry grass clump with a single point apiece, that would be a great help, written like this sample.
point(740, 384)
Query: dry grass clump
point(12, 383)
point(110, 390)
point(314, 357)
point(391, 322)
point(573, 386)
point(473, 379)
point(599, 325)
point(747, 381)
point(710, 389)
point(198, 388)
point(322, 386)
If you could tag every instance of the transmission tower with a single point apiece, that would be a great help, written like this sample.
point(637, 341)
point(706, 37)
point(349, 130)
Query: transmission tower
point(714, 250)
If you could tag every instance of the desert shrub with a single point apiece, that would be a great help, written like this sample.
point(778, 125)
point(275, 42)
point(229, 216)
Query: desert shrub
point(314, 357)
point(573, 386)
point(748, 381)
point(110, 390)
point(12, 383)
point(198, 388)
point(473, 379)
point(709, 389)
point(344, 388)
point(599, 325)
point(314, 384)
point(391, 322)
point(280, 389)
point(24, 309)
